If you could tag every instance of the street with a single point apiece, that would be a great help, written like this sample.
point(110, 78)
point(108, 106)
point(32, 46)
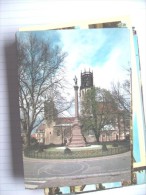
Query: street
point(42, 173)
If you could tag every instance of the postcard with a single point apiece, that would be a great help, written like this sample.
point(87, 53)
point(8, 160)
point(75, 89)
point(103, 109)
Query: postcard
point(110, 22)
point(138, 162)
point(74, 98)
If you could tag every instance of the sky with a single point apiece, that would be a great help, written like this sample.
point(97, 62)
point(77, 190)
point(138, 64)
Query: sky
point(106, 52)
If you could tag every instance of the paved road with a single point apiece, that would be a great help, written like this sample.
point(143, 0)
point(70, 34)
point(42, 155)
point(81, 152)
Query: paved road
point(42, 173)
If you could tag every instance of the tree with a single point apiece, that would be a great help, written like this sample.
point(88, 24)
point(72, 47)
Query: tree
point(122, 94)
point(98, 109)
point(56, 105)
point(40, 65)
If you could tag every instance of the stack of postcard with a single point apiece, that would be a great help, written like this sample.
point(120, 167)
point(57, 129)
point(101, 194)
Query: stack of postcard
point(81, 109)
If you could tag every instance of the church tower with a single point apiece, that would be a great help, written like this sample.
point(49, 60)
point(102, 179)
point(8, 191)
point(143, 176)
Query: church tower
point(86, 82)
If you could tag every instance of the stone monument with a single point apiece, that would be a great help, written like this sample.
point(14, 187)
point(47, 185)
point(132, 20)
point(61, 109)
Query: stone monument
point(77, 139)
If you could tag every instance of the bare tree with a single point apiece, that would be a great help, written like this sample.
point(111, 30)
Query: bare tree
point(40, 75)
point(122, 94)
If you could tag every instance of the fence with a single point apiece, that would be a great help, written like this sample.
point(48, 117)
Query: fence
point(75, 154)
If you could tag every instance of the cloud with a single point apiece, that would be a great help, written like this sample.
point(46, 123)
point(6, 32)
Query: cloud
point(111, 71)
point(81, 45)
point(105, 51)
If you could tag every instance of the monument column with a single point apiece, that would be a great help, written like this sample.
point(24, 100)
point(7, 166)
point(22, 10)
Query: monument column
point(76, 102)
point(77, 139)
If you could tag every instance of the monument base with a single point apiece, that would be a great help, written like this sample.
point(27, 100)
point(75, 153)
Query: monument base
point(77, 139)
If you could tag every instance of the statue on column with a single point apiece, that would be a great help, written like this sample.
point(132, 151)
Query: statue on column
point(77, 139)
point(75, 80)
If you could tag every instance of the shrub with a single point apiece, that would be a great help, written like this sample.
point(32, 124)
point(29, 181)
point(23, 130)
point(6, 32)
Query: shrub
point(104, 147)
point(115, 144)
point(67, 151)
point(33, 141)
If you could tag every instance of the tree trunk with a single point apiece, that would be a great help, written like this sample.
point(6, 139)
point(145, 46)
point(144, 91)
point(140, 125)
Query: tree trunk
point(27, 140)
point(96, 135)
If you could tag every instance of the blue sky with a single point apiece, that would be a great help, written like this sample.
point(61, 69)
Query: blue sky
point(105, 51)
